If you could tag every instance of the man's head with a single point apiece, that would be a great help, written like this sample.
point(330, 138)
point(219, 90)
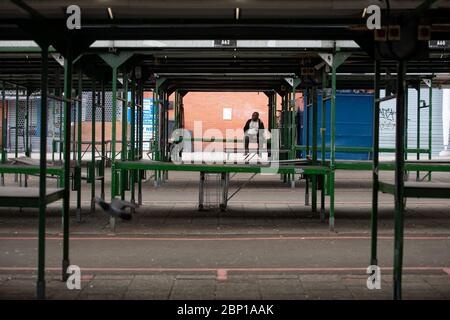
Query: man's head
point(255, 116)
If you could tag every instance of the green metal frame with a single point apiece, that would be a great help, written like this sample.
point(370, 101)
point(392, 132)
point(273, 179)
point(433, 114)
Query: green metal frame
point(322, 137)
point(314, 148)
point(375, 164)
point(124, 152)
point(30, 170)
point(42, 176)
point(419, 189)
point(132, 157)
point(338, 59)
point(140, 143)
point(169, 166)
point(16, 136)
point(91, 175)
point(401, 189)
point(40, 197)
point(429, 166)
point(77, 173)
point(103, 147)
point(3, 151)
point(23, 199)
point(115, 61)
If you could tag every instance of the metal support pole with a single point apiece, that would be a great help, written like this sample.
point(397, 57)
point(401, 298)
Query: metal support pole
point(337, 60)
point(155, 130)
point(31, 123)
point(141, 137)
point(293, 127)
point(4, 130)
point(332, 141)
point(16, 135)
point(270, 111)
point(91, 176)
point(430, 123)
point(79, 139)
point(40, 286)
point(406, 120)
point(418, 128)
point(201, 191)
point(176, 111)
point(4, 119)
point(166, 128)
point(73, 112)
point(16, 138)
point(274, 115)
point(376, 146)
point(141, 118)
point(27, 125)
point(132, 138)
point(323, 144)
point(114, 61)
point(68, 66)
point(53, 106)
point(314, 149)
point(307, 126)
point(103, 161)
point(154, 124)
point(113, 133)
point(224, 191)
point(60, 128)
point(399, 180)
point(123, 155)
point(285, 143)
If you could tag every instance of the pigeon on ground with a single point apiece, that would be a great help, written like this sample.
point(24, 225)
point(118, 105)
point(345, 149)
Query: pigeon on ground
point(116, 207)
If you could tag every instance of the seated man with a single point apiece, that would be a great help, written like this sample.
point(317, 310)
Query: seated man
point(251, 130)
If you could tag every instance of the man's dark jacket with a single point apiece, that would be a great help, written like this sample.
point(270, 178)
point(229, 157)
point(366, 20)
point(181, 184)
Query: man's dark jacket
point(247, 125)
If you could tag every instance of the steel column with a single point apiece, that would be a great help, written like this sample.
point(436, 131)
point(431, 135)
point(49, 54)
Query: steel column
point(406, 120)
point(103, 161)
point(418, 127)
point(123, 154)
point(27, 125)
point(16, 138)
point(114, 61)
point(274, 115)
point(91, 176)
point(42, 175)
point(132, 138)
point(399, 180)
point(141, 137)
point(314, 148)
point(113, 133)
point(68, 67)
point(376, 145)
point(323, 143)
point(4, 130)
point(338, 59)
point(79, 139)
point(332, 141)
point(308, 99)
point(430, 123)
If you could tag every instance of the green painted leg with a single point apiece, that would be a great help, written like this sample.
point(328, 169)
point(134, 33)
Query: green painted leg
point(307, 191)
point(314, 194)
point(331, 222)
point(322, 202)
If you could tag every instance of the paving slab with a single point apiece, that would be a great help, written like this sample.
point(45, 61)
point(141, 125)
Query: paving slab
point(267, 245)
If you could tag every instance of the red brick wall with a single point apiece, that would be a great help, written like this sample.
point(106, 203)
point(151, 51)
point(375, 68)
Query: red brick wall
point(208, 108)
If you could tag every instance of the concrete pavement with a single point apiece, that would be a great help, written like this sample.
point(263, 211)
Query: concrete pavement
point(267, 245)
